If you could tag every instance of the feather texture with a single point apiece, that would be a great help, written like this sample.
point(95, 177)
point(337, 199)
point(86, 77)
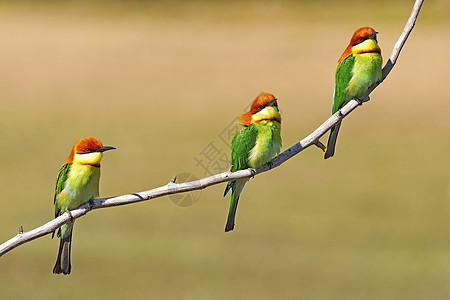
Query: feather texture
point(253, 146)
point(359, 67)
point(77, 183)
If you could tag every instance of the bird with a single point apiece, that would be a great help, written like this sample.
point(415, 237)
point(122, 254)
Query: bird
point(358, 68)
point(254, 145)
point(77, 183)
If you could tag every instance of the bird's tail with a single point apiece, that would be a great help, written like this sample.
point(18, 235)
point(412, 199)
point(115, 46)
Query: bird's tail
point(332, 140)
point(62, 264)
point(237, 187)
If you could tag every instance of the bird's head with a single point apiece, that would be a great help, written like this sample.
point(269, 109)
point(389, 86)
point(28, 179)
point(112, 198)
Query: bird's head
point(363, 34)
point(364, 40)
point(264, 107)
point(88, 151)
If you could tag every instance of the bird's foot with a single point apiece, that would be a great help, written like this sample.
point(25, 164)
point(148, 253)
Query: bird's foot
point(362, 100)
point(70, 215)
point(91, 203)
point(253, 171)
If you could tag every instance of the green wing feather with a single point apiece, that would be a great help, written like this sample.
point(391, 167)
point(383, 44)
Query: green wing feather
point(60, 183)
point(241, 145)
point(342, 78)
point(344, 73)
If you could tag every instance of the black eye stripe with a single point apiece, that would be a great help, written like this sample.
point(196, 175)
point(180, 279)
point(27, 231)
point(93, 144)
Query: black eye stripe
point(360, 40)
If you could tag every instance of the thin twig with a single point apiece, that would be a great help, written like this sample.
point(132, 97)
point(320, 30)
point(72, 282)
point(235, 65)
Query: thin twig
point(175, 188)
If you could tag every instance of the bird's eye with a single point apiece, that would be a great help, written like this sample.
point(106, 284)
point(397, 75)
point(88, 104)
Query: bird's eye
point(361, 38)
point(260, 107)
point(87, 150)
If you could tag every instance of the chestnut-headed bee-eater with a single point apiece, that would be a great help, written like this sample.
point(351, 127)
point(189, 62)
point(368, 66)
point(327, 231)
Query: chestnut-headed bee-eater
point(77, 184)
point(358, 68)
point(254, 145)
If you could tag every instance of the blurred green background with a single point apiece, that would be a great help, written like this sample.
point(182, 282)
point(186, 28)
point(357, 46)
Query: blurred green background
point(160, 81)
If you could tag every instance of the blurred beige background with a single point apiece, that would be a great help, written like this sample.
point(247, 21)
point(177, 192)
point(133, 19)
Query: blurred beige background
point(161, 81)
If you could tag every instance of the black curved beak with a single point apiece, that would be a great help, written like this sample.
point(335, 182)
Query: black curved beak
point(105, 148)
point(373, 35)
point(271, 102)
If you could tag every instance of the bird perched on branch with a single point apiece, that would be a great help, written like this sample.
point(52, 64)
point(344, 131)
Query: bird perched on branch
point(254, 145)
point(358, 68)
point(77, 184)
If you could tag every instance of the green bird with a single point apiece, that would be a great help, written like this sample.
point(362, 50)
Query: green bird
point(358, 68)
point(254, 145)
point(77, 184)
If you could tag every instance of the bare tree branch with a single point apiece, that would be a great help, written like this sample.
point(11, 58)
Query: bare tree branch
point(175, 188)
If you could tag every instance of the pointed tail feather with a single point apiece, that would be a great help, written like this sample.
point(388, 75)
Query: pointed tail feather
point(236, 187)
point(232, 214)
point(62, 264)
point(332, 140)
point(230, 184)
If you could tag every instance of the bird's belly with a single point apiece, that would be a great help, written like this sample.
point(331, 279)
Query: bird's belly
point(79, 197)
point(366, 71)
point(267, 145)
point(81, 187)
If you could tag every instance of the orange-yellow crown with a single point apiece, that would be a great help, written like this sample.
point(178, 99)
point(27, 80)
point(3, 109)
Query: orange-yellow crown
point(259, 103)
point(359, 36)
point(84, 145)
